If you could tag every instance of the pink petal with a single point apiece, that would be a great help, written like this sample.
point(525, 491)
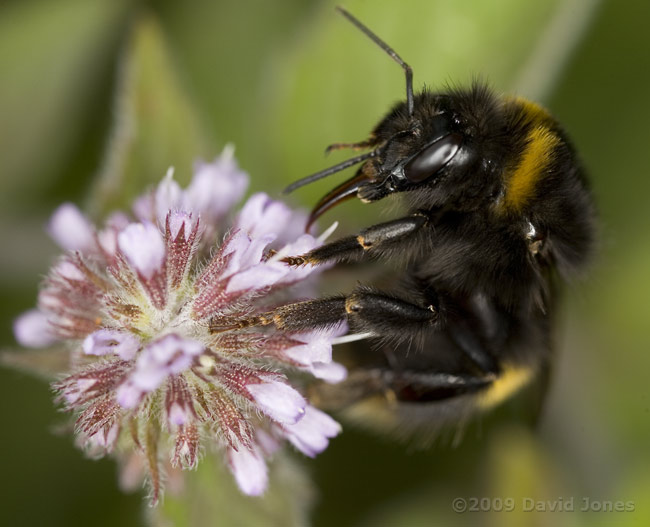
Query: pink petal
point(249, 469)
point(33, 330)
point(168, 196)
point(244, 252)
point(105, 341)
point(317, 345)
point(107, 237)
point(311, 434)
point(300, 245)
point(317, 348)
point(143, 207)
point(71, 230)
point(303, 244)
point(164, 349)
point(261, 216)
point(105, 439)
point(267, 443)
point(331, 372)
point(278, 400)
point(128, 395)
point(295, 227)
point(257, 277)
point(167, 356)
point(215, 187)
point(143, 246)
point(69, 270)
point(178, 415)
point(180, 219)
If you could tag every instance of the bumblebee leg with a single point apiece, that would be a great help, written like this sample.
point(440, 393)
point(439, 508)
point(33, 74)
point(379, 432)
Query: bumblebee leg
point(387, 316)
point(383, 315)
point(372, 240)
point(368, 143)
point(396, 386)
point(469, 342)
point(365, 310)
point(312, 314)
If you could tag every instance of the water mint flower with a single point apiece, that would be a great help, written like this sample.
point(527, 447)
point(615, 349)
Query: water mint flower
point(155, 310)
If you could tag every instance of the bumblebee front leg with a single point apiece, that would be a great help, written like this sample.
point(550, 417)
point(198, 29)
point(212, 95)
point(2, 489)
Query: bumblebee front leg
point(373, 240)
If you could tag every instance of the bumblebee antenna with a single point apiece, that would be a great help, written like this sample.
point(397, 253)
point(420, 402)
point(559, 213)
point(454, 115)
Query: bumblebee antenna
point(390, 51)
point(329, 171)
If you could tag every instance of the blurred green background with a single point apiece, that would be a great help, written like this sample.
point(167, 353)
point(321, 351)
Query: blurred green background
point(98, 98)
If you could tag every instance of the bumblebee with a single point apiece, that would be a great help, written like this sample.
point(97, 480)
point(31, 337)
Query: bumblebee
point(499, 211)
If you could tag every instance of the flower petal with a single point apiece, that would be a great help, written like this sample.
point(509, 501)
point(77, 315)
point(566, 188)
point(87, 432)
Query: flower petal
point(311, 434)
point(331, 372)
point(261, 216)
point(167, 356)
point(104, 341)
point(244, 252)
point(168, 196)
point(33, 330)
point(143, 246)
point(278, 400)
point(71, 230)
point(249, 469)
point(178, 219)
point(215, 187)
point(256, 277)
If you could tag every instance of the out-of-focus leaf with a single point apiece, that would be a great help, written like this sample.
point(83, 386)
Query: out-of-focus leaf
point(225, 48)
point(334, 84)
point(156, 125)
point(211, 497)
point(50, 54)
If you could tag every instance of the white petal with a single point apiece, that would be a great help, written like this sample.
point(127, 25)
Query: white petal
point(215, 187)
point(311, 434)
point(261, 215)
point(278, 400)
point(249, 470)
point(244, 252)
point(143, 207)
point(167, 356)
point(331, 372)
point(317, 348)
point(256, 277)
point(32, 329)
point(69, 270)
point(104, 341)
point(71, 230)
point(177, 415)
point(178, 219)
point(168, 196)
point(128, 395)
point(143, 246)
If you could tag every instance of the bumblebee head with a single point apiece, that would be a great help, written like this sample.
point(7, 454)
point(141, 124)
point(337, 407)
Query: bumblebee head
point(446, 153)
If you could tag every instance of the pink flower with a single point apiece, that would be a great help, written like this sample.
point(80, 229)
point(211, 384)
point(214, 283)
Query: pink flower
point(155, 313)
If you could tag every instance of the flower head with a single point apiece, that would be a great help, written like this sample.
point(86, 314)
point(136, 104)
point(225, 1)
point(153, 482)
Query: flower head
point(156, 315)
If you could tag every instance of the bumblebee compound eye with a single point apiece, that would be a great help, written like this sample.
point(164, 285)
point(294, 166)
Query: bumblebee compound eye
point(432, 158)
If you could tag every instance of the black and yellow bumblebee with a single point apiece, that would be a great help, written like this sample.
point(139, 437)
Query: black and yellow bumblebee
point(499, 210)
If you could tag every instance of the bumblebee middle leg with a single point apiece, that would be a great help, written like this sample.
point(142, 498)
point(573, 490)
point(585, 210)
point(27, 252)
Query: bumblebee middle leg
point(386, 317)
